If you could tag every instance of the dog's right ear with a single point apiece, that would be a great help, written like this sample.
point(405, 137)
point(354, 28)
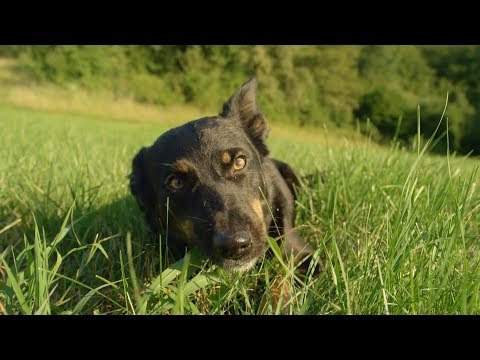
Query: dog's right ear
point(141, 188)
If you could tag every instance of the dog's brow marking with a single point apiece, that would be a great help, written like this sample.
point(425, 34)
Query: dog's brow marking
point(181, 166)
point(226, 158)
point(257, 208)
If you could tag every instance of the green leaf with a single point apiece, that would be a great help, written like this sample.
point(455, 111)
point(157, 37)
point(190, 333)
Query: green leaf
point(83, 301)
point(16, 289)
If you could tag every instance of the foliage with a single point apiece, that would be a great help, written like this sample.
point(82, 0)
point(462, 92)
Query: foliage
point(333, 86)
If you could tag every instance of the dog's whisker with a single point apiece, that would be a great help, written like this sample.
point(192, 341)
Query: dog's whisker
point(197, 218)
point(206, 226)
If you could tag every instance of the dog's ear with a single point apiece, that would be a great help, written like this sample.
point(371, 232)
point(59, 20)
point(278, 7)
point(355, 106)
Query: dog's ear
point(243, 105)
point(141, 188)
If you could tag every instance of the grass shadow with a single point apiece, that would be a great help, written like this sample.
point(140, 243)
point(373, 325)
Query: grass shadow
point(93, 251)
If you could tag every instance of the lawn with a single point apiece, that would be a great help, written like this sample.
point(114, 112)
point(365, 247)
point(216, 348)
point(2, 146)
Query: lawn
point(396, 229)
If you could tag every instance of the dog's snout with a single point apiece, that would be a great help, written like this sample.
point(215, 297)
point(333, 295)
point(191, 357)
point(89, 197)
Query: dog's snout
point(232, 246)
point(212, 201)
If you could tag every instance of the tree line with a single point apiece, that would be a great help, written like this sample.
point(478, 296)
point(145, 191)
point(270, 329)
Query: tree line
point(374, 88)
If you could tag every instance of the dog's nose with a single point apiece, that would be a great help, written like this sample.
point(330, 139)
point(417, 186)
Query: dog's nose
point(232, 246)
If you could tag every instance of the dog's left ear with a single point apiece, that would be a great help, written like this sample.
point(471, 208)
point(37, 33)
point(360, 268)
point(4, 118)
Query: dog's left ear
point(243, 104)
point(142, 190)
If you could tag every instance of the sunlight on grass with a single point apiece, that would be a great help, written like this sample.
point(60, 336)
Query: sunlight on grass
point(396, 230)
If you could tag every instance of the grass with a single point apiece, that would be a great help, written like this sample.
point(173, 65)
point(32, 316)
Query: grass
point(396, 229)
point(17, 90)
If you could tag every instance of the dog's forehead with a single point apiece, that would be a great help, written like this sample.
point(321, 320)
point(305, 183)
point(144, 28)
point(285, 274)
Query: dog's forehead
point(201, 137)
point(221, 131)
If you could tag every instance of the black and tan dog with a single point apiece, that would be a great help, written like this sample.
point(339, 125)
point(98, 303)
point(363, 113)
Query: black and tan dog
point(222, 190)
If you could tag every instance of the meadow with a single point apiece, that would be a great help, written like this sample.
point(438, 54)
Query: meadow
point(396, 228)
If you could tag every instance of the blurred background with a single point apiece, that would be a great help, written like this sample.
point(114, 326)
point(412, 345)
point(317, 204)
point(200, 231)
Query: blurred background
point(375, 90)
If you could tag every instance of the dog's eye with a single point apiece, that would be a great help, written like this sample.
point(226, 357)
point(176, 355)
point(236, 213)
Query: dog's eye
point(175, 183)
point(239, 163)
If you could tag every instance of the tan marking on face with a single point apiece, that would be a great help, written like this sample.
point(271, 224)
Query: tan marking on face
point(186, 225)
point(226, 158)
point(181, 166)
point(257, 208)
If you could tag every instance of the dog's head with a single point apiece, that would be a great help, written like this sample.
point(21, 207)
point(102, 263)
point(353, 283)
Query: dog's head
point(202, 183)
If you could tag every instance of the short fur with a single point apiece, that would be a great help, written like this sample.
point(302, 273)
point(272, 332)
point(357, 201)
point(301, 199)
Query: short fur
point(215, 201)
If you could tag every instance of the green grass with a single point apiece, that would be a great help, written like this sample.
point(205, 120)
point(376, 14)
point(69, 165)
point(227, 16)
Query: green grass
point(397, 230)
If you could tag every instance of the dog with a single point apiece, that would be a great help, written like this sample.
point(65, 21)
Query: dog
point(211, 183)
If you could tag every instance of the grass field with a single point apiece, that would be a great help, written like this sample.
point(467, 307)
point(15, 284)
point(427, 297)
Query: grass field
point(398, 231)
